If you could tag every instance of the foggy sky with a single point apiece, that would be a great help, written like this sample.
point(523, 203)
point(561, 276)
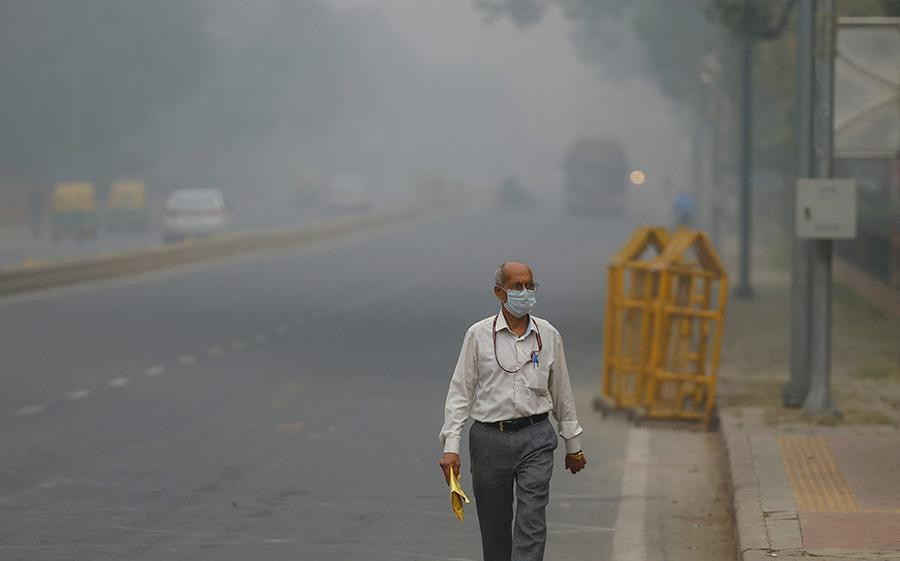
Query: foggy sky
point(429, 87)
point(389, 89)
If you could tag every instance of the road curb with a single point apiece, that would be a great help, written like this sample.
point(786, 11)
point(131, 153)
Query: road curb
point(749, 524)
point(765, 518)
point(15, 280)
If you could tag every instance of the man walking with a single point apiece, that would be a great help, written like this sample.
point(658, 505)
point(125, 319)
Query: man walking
point(510, 375)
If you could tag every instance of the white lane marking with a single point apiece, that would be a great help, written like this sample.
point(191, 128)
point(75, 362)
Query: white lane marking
point(281, 329)
point(28, 410)
point(119, 382)
point(239, 345)
point(78, 394)
point(155, 370)
point(187, 360)
point(33, 489)
point(215, 351)
point(261, 337)
point(629, 541)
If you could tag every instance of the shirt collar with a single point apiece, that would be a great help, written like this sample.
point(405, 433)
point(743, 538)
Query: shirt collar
point(501, 324)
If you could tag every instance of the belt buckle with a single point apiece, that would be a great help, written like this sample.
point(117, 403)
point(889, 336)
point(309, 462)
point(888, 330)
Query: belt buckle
point(501, 427)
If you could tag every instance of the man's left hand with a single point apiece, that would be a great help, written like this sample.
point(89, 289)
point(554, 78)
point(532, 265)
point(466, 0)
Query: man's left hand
point(575, 462)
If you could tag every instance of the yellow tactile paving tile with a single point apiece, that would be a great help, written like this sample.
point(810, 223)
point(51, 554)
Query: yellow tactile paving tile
point(817, 483)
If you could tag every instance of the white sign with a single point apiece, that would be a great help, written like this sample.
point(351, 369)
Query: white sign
point(826, 208)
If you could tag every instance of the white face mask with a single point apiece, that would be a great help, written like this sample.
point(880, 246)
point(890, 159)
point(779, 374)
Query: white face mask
point(519, 302)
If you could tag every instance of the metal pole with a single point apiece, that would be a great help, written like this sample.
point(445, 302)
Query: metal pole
point(743, 289)
point(818, 401)
point(795, 390)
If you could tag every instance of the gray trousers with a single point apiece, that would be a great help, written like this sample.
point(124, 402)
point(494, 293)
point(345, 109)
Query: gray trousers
point(501, 461)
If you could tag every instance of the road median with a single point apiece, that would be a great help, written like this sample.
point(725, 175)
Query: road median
point(38, 276)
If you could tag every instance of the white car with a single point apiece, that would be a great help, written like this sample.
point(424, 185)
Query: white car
point(192, 213)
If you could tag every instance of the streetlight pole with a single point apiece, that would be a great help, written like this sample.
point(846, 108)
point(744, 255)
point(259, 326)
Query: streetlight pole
point(795, 390)
point(743, 289)
point(818, 400)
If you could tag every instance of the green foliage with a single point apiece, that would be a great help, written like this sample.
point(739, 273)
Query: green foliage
point(523, 13)
point(868, 8)
point(759, 19)
point(674, 39)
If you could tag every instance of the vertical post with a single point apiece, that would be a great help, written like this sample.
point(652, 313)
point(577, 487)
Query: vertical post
point(818, 400)
point(74, 69)
point(795, 390)
point(743, 289)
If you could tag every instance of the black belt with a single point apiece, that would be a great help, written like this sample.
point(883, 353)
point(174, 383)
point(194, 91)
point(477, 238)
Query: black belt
point(516, 424)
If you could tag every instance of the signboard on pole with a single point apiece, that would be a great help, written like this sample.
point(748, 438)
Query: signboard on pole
point(826, 209)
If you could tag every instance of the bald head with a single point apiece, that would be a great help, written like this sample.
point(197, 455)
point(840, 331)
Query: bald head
point(512, 271)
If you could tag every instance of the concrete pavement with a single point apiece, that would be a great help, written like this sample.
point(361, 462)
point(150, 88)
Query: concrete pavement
point(832, 493)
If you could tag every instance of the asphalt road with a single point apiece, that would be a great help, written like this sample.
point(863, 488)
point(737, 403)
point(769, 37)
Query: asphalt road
point(286, 405)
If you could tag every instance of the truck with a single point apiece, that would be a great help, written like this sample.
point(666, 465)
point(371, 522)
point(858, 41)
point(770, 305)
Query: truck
point(596, 176)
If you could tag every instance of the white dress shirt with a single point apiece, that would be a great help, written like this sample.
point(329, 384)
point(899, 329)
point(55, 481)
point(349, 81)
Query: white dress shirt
point(480, 389)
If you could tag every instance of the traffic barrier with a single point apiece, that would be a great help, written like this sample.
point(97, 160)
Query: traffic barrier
point(44, 275)
point(665, 307)
point(631, 289)
point(689, 312)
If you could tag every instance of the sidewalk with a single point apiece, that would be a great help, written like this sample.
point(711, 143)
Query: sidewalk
point(829, 492)
point(807, 487)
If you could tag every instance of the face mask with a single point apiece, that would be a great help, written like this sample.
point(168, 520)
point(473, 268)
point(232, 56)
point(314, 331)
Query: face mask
point(519, 302)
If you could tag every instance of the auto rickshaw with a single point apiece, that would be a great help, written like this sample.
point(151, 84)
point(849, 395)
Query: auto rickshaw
point(126, 207)
point(74, 210)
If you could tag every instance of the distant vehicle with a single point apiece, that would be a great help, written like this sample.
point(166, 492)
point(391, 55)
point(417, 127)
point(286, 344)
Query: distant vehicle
point(347, 193)
point(511, 195)
point(193, 213)
point(596, 171)
point(126, 207)
point(74, 211)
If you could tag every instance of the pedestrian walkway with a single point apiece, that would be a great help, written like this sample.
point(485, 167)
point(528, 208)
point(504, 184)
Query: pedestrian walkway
point(811, 486)
point(830, 492)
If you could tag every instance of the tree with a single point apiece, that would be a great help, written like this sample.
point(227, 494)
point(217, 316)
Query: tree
point(81, 76)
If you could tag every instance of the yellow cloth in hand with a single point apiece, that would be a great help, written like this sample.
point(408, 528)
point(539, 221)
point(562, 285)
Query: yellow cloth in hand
point(457, 495)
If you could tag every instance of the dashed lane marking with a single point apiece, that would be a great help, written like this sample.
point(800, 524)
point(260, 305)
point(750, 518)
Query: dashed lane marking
point(28, 410)
point(262, 337)
point(78, 394)
point(187, 360)
point(215, 351)
point(155, 370)
point(119, 382)
point(239, 345)
point(281, 329)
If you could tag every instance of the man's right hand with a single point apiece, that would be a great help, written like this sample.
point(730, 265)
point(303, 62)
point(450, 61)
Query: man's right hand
point(449, 461)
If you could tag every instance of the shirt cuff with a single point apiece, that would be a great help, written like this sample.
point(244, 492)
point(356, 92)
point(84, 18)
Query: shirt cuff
point(451, 444)
point(573, 444)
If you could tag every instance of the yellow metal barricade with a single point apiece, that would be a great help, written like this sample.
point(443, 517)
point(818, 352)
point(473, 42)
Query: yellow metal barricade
point(632, 286)
point(688, 312)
